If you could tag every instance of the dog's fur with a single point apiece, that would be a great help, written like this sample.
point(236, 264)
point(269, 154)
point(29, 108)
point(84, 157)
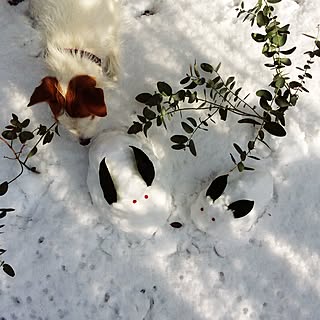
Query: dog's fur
point(81, 43)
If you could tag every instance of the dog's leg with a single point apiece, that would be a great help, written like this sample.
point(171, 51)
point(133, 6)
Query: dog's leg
point(111, 65)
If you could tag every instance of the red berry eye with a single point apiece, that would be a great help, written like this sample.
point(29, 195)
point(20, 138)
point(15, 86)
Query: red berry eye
point(213, 219)
point(134, 201)
point(146, 196)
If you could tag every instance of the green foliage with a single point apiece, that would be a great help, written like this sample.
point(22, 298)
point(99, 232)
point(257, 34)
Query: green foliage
point(17, 137)
point(204, 89)
point(5, 267)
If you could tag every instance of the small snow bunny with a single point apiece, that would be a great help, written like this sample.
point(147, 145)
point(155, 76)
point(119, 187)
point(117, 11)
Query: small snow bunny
point(123, 183)
point(233, 205)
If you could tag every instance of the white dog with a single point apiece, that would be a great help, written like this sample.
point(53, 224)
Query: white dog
point(81, 44)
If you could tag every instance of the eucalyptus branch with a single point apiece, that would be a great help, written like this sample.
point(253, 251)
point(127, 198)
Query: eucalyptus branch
point(221, 97)
point(17, 132)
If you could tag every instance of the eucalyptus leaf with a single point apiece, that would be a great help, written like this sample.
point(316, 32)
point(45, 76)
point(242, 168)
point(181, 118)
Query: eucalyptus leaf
point(135, 128)
point(4, 188)
point(275, 129)
point(186, 127)
point(164, 88)
point(206, 67)
point(192, 148)
point(143, 97)
point(180, 139)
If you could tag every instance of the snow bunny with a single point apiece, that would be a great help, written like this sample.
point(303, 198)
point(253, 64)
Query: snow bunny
point(123, 180)
point(232, 203)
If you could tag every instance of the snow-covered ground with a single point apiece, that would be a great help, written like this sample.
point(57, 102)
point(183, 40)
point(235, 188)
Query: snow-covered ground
point(72, 263)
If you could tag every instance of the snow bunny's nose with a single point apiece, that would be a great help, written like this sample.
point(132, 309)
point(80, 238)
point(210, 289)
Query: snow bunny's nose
point(84, 142)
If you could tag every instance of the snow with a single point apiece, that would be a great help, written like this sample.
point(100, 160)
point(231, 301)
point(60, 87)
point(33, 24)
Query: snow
point(72, 261)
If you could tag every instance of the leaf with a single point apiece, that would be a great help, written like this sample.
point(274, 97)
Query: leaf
point(275, 129)
point(185, 80)
point(164, 89)
point(248, 120)
point(42, 130)
point(159, 121)
point(195, 68)
point(264, 93)
point(186, 127)
point(262, 20)
point(143, 97)
point(285, 61)
point(106, 183)
point(192, 121)
point(155, 100)
point(192, 148)
point(142, 118)
point(24, 136)
point(180, 139)
point(254, 158)
point(25, 123)
point(33, 151)
point(144, 165)
point(9, 135)
point(217, 67)
point(241, 208)
point(56, 130)
point(264, 104)
point(258, 37)
point(8, 270)
point(191, 86)
point(206, 67)
point(237, 147)
point(178, 146)
point(251, 145)
point(233, 159)
point(4, 188)
point(295, 85)
point(176, 225)
point(240, 166)
point(229, 80)
point(135, 128)
point(282, 102)
point(280, 82)
point(48, 137)
point(179, 96)
point(149, 114)
point(290, 51)
point(146, 127)
point(223, 114)
point(279, 40)
point(217, 187)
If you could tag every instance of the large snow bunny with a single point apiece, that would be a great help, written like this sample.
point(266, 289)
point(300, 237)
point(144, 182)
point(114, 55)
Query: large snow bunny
point(123, 180)
point(232, 203)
